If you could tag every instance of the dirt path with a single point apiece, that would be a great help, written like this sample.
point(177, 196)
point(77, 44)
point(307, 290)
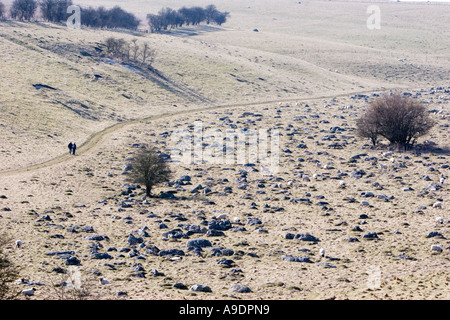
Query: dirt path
point(97, 137)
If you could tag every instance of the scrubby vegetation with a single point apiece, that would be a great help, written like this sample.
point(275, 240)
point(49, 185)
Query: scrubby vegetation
point(54, 10)
point(150, 169)
point(2, 10)
point(8, 272)
point(129, 51)
point(398, 118)
point(23, 9)
point(112, 18)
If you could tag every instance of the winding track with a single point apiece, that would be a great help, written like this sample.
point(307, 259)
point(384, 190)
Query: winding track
point(97, 137)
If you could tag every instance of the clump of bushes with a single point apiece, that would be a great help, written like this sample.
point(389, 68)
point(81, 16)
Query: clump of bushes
point(23, 9)
point(9, 273)
point(132, 51)
point(112, 18)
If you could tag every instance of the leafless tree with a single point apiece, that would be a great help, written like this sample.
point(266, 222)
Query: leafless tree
point(367, 129)
point(23, 9)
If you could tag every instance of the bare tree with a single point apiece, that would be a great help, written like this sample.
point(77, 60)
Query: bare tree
point(54, 10)
point(399, 119)
point(168, 17)
point(23, 9)
point(367, 129)
point(116, 48)
point(149, 168)
point(130, 51)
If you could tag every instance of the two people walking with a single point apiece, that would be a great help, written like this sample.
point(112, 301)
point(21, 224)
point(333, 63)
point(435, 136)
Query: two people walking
point(72, 148)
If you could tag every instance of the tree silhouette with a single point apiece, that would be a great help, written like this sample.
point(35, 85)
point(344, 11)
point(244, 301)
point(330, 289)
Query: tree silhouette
point(2, 10)
point(169, 18)
point(55, 10)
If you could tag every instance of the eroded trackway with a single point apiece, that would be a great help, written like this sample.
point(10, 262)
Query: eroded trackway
point(96, 138)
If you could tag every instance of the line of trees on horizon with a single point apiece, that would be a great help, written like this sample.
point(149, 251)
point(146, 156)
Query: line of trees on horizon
point(55, 11)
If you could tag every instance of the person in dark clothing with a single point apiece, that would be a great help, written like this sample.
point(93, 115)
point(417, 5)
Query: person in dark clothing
point(74, 148)
point(70, 147)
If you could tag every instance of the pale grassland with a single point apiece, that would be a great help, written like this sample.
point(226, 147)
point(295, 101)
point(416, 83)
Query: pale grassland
point(295, 54)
